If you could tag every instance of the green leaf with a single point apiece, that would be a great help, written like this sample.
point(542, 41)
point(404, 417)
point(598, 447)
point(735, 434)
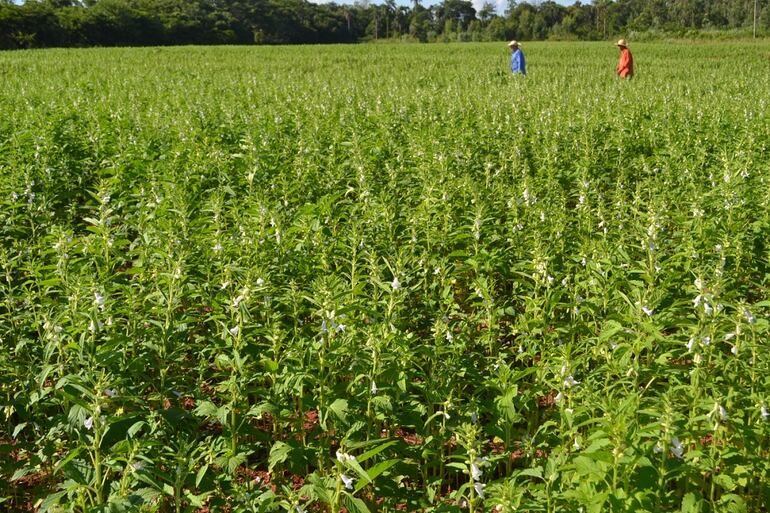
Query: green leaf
point(725, 481)
point(73, 454)
point(235, 461)
point(200, 475)
point(375, 471)
point(279, 453)
point(134, 429)
point(206, 409)
point(533, 472)
point(340, 408)
point(18, 429)
point(375, 451)
point(51, 501)
point(691, 504)
point(145, 495)
point(358, 470)
point(356, 504)
point(21, 472)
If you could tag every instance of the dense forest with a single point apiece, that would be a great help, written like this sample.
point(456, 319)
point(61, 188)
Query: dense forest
point(46, 23)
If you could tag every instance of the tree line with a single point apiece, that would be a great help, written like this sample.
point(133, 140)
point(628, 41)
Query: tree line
point(48, 23)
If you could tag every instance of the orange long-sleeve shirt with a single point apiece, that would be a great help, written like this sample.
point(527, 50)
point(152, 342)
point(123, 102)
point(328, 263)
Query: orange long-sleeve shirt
point(626, 65)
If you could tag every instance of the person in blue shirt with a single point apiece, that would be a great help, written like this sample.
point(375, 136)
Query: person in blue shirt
point(518, 65)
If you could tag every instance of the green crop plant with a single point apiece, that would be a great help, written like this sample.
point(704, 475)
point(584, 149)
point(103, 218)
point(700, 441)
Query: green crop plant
point(385, 278)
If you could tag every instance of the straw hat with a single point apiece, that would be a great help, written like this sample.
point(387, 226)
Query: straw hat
point(513, 43)
point(621, 42)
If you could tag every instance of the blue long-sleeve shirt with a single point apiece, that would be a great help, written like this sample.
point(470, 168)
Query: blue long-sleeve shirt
point(518, 65)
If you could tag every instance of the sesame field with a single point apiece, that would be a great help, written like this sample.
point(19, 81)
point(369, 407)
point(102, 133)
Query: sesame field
point(385, 278)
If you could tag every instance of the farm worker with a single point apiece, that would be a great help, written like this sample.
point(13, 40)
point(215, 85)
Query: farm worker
point(625, 67)
point(518, 65)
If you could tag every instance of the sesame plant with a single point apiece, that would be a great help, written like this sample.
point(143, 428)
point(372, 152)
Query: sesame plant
point(385, 278)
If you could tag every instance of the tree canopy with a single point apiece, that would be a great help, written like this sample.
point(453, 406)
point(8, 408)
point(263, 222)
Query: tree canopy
point(45, 23)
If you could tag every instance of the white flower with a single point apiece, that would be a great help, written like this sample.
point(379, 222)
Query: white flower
point(260, 282)
point(569, 381)
point(374, 388)
point(697, 301)
point(449, 337)
point(676, 447)
point(730, 336)
point(111, 392)
point(718, 248)
point(764, 413)
point(341, 327)
point(558, 398)
point(217, 247)
point(707, 308)
point(657, 449)
point(647, 311)
point(749, 318)
point(89, 422)
point(347, 480)
point(99, 300)
point(698, 284)
point(343, 457)
point(576, 445)
point(324, 329)
point(234, 331)
point(706, 341)
point(734, 350)
point(690, 344)
point(137, 465)
point(723, 414)
point(479, 487)
point(476, 472)
point(395, 284)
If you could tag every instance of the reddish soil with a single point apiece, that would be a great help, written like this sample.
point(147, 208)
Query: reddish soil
point(547, 401)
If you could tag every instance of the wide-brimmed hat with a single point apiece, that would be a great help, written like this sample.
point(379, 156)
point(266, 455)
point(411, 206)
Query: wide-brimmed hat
point(514, 43)
point(621, 42)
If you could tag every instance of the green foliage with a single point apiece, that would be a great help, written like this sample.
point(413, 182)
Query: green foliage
point(67, 23)
point(227, 284)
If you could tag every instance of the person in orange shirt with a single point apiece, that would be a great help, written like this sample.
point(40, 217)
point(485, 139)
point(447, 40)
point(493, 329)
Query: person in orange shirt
point(625, 67)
